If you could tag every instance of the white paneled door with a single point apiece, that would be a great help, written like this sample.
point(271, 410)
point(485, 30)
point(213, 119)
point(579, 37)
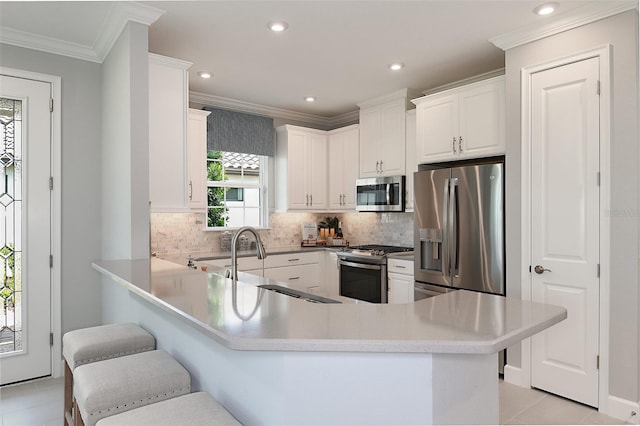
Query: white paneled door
point(25, 229)
point(565, 209)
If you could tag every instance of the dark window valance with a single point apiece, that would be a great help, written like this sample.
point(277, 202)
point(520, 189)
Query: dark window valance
point(240, 132)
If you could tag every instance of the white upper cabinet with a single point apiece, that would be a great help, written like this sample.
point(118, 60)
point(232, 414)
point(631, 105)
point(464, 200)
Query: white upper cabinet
point(301, 169)
point(168, 100)
point(382, 135)
point(464, 122)
point(411, 161)
point(343, 156)
point(197, 158)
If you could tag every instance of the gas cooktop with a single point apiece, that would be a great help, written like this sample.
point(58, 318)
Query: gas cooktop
point(374, 250)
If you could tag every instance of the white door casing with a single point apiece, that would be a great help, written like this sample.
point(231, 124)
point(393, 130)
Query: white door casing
point(565, 226)
point(33, 231)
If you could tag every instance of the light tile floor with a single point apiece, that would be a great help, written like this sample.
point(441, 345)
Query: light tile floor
point(40, 403)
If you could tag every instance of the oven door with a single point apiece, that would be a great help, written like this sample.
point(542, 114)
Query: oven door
point(363, 281)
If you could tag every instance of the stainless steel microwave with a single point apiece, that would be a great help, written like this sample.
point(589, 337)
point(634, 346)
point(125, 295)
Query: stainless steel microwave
point(380, 194)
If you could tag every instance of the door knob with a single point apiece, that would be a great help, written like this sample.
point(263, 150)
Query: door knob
point(540, 269)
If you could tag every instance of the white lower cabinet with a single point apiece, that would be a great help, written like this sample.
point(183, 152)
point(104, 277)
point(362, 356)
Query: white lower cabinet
point(400, 280)
point(301, 271)
point(251, 265)
point(331, 273)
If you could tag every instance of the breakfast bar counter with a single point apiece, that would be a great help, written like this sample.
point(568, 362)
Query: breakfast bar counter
point(273, 359)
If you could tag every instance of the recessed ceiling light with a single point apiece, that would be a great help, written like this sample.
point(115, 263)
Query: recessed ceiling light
point(396, 66)
point(277, 26)
point(205, 74)
point(545, 9)
point(310, 98)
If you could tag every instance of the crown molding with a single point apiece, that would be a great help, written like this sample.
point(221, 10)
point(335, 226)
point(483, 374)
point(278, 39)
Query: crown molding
point(119, 15)
point(563, 22)
point(465, 81)
point(154, 58)
point(248, 107)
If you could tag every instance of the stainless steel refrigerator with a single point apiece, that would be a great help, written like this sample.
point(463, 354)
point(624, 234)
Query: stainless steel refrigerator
point(459, 227)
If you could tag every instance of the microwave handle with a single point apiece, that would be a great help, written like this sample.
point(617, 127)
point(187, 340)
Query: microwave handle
point(388, 194)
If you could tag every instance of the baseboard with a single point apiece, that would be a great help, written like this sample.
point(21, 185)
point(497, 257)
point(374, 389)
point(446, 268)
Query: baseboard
point(622, 409)
point(513, 375)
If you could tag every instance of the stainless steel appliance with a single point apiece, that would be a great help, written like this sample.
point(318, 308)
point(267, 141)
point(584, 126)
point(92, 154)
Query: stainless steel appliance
point(363, 272)
point(380, 194)
point(459, 227)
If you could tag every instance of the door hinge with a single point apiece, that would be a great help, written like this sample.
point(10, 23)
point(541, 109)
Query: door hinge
point(598, 270)
point(51, 183)
point(50, 261)
point(50, 104)
point(597, 362)
point(50, 339)
point(598, 89)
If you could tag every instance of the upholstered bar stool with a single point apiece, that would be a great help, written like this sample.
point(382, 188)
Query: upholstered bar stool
point(110, 387)
point(194, 409)
point(93, 344)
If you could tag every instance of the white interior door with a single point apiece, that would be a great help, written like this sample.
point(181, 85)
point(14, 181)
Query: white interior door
point(25, 229)
point(565, 208)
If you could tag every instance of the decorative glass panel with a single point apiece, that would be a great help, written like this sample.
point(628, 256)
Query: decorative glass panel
point(11, 226)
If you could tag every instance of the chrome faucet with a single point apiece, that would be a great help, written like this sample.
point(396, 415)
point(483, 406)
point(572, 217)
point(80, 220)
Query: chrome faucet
point(234, 249)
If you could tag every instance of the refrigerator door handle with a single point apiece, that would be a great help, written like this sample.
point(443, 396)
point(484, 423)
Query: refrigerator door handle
point(453, 228)
point(446, 270)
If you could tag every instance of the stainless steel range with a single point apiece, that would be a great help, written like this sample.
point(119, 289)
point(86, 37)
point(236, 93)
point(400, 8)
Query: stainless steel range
point(363, 271)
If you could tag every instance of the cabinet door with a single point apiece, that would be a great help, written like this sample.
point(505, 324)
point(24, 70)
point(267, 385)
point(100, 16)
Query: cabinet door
point(400, 288)
point(369, 136)
point(482, 125)
point(197, 159)
point(436, 128)
point(301, 277)
point(336, 168)
point(316, 171)
point(350, 172)
point(167, 136)
point(410, 158)
point(391, 145)
point(343, 154)
point(297, 185)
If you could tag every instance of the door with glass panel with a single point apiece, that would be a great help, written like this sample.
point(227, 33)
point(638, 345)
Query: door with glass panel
point(25, 229)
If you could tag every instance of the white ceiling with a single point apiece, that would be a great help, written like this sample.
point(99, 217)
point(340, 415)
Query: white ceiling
point(337, 51)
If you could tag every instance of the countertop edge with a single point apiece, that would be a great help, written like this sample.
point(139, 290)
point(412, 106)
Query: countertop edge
point(333, 345)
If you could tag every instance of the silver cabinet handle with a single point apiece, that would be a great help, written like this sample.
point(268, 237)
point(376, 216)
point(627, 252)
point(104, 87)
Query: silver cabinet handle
point(399, 266)
point(460, 144)
point(380, 166)
point(539, 269)
point(190, 190)
point(377, 167)
point(454, 145)
point(311, 200)
point(294, 278)
point(295, 259)
point(307, 199)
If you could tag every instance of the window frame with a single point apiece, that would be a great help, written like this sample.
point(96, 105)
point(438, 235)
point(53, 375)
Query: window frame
point(261, 186)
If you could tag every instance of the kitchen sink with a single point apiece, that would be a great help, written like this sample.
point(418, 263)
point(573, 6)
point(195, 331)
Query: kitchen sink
point(297, 294)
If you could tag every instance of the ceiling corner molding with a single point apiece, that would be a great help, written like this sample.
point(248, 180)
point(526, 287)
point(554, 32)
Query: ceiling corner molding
point(563, 22)
point(47, 44)
point(121, 13)
point(172, 62)
point(346, 118)
point(242, 106)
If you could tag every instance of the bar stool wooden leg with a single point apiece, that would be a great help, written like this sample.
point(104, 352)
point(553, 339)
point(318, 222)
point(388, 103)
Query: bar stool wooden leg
point(77, 417)
point(68, 395)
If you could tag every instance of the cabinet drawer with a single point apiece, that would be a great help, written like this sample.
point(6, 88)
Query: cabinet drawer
point(279, 260)
point(244, 263)
point(298, 276)
point(400, 266)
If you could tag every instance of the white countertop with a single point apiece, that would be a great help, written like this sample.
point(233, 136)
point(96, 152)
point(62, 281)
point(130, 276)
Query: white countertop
point(245, 317)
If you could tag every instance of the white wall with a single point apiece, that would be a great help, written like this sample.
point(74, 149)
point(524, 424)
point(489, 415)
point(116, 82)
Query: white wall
point(80, 186)
point(621, 32)
point(125, 147)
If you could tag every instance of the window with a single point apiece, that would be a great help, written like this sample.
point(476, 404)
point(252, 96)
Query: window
point(235, 189)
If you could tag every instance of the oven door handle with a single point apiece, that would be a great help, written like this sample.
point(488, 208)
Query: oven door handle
point(361, 265)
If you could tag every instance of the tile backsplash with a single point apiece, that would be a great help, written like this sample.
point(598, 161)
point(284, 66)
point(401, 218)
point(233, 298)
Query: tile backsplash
point(184, 233)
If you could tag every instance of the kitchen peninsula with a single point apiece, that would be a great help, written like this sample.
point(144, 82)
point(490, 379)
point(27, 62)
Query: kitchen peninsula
point(272, 359)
